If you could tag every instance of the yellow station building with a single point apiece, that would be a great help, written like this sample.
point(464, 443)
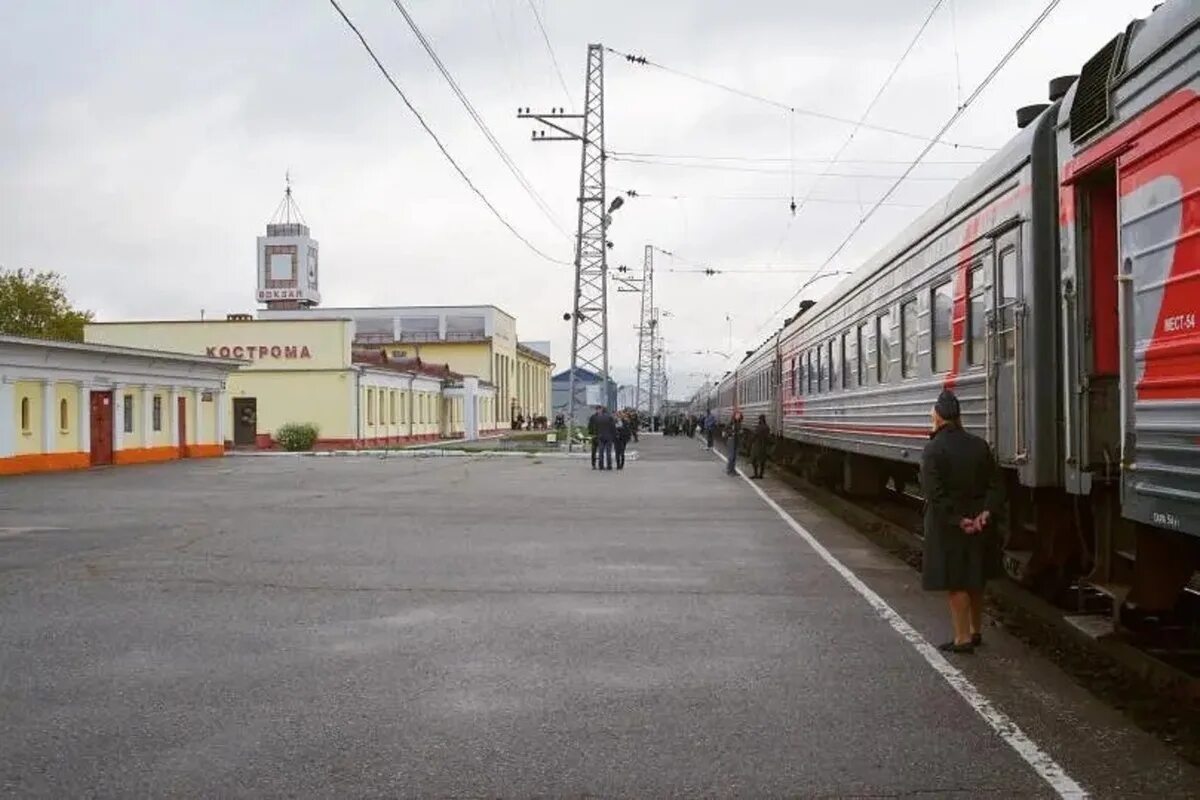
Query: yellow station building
point(310, 371)
point(472, 340)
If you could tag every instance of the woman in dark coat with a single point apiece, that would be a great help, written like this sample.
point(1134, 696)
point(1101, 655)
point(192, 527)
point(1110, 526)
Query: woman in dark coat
point(760, 445)
point(962, 499)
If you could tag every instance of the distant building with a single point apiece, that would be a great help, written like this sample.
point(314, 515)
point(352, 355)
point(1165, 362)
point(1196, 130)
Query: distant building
point(593, 391)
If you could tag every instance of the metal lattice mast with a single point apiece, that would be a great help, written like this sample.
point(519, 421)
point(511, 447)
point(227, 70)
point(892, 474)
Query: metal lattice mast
point(589, 318)
point(652, 384)
point(645, 333)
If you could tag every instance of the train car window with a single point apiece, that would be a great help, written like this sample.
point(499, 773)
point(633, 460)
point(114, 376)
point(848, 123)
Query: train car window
point(864, 364)
point(820, 371)
point(976, 311)
point(793, 375)
point(808, 371)
point(833, 364)
point(941, 301)
point(848, 371)
point(908, 338)
point(1008, 274)
point(883, 351)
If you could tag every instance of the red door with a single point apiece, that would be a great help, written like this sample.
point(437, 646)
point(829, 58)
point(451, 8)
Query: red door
point(102, 428)
point(181, 415)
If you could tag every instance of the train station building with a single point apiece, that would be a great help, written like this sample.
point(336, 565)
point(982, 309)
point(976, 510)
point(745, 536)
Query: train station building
point(66, 405)
point(313, 371)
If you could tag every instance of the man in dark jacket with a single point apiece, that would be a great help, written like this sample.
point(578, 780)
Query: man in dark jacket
point(606, 433)
point(591, 429)
point(963, 496)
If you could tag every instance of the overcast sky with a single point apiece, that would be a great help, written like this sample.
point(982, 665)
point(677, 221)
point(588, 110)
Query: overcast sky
point(143, 146)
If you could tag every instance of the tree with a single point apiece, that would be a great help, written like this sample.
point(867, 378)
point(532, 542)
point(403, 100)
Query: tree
point(35, 304)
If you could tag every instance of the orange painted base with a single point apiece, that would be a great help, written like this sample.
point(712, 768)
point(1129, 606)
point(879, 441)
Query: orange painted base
point(61, 462)
point(204, 451)
point(43, 462)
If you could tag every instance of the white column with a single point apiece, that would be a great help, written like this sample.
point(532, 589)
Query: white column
point(197, 404)
point(8, 431)
point(173, 416)
point(83, 419)
point(219, 422)
point(470, 406)
point(147, 415)
point(49, 417)
point(118, 427)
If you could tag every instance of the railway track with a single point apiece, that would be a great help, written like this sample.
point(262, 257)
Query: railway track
point(1152, 674)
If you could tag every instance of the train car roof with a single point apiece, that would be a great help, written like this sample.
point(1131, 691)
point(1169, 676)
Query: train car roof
point(1011, 156)
point(1145, 37)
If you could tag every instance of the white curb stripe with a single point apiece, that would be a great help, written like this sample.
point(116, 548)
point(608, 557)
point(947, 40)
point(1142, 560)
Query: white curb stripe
point(1045, 766)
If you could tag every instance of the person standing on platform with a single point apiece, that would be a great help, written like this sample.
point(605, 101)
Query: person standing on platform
point(633, 424)
point(963, 495)
point(710, 424)
point(591, 429)
point(606, 432)
point(624, 427)
point(733, 439)
point(760, 446)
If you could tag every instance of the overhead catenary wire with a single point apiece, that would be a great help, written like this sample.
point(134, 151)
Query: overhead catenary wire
point(478, 120)
point(774, 198)
point(958, 112)
point(771, 171)
point(808, 112)
point(446, 153)
point(782, 159)
point(862, 119)
point(553, 58)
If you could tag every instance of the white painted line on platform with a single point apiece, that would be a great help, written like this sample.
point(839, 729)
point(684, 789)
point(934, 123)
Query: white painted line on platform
point(1045, 766)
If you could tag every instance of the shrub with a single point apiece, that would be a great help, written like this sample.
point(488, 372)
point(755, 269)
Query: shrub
point(297, 436)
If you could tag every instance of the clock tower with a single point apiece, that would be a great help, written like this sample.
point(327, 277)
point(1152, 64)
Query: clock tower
point(287, 259)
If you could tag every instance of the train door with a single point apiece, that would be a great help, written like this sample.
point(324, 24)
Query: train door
point(1007, 406)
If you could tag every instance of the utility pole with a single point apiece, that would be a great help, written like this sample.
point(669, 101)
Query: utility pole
point(652, 357)
point(646, 327)
point(589, 316)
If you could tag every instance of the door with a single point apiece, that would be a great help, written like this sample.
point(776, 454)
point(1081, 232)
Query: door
point(1008, 314)
point(181, 416)
point(101, 428)
point(245, 421)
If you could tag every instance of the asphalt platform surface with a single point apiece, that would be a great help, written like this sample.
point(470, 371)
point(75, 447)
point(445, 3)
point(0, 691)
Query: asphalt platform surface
point(496, 627)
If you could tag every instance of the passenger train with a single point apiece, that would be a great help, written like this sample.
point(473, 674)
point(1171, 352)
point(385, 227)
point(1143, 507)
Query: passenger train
point(1056, 290)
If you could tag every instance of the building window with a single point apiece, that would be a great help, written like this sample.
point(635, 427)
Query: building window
point(976, 316)
point(942, 327)
point(395, 407)
point(156, 412)
point(25, 415)
point(370, 409)
point(64, 416)
point(908, 338)
point(128, 409)
point(883, 349)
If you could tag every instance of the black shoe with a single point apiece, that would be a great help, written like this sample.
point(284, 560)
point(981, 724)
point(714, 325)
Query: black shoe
point(976, 640)
point(954, 647)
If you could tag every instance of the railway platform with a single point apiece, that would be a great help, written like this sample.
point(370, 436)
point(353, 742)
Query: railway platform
point(506, 627)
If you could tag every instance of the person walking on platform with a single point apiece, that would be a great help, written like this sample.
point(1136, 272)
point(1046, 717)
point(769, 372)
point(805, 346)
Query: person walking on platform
point(710, 424)
point(963, 495)
point(733, 440)
point(760, 446)
point(633, 424)
point(591, 429)
point(606, 432)
point(624, 428)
